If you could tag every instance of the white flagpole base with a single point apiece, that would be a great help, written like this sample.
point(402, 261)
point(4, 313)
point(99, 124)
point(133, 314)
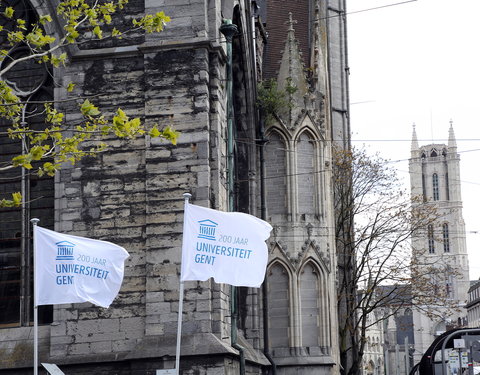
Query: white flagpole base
point(179, 329)
point(186, 197)
point(35, 307)
point(35, 340)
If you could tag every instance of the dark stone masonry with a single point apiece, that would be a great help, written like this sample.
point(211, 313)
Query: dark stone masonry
point(131, 195)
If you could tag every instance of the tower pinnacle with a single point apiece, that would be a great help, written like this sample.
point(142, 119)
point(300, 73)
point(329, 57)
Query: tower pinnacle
point(452, 142)
point(414, 148)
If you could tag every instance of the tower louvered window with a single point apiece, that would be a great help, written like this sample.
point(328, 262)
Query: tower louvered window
point(435, 187)
point(431, 240)
point(446, 240)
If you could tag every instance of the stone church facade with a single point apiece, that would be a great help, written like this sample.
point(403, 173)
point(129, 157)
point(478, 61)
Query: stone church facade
point(132, 194)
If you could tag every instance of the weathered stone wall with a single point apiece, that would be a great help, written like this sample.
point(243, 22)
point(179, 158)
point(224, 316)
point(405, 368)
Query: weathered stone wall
point(132, 195)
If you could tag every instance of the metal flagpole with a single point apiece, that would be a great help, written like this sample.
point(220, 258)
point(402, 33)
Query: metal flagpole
point(35, 307)
point(179, 329)
point(186, 196)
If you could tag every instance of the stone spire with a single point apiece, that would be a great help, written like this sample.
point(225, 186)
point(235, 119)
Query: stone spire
point(452, 142)
point(415, 149)
point(291, 74)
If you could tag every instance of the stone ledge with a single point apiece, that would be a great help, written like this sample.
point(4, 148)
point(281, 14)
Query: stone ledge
point(147, 47)
point(201, 344)
point(293, 361)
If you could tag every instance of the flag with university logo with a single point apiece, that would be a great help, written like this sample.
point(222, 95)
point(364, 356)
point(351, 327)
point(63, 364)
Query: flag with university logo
point(71, 269)
point(228, 246)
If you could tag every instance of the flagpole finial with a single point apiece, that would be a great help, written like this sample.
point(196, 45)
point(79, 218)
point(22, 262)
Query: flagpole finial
point(34, 221)
point(187, 196)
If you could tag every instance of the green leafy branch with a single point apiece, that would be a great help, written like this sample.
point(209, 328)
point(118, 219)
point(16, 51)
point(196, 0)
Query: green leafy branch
point(45, 151)
point(272, 100)
point(52, 146)
point(97, 17)
point(14, 202)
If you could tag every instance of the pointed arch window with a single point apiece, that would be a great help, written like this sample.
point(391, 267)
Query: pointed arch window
point(278, 310)
point(276, 172)
point(435, 187)
point(446, 239)
point(306, 174)
point(310, 306)
point(431, 240)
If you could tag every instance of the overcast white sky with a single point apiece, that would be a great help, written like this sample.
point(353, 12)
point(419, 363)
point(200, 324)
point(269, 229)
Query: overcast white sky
point(419, 62)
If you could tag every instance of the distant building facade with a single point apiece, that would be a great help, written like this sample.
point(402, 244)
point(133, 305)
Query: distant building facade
point(373, 357)
point(132, 194)
point(473, 305)
point(390, 332)
point(399, 341)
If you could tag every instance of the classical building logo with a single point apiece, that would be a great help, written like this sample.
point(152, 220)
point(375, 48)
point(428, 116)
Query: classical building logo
point(65, 250)
point(207, 229)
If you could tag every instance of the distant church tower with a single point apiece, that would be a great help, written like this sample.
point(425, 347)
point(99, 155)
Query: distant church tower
point(435, 176)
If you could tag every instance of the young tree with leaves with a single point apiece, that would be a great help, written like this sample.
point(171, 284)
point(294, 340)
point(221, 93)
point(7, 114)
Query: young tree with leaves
point(45, 149)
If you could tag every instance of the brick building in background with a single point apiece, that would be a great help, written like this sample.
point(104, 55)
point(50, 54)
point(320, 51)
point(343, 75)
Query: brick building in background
point(132, 194)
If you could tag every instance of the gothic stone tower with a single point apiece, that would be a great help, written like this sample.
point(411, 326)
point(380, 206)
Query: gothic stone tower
point(435, 176)
point(302, 323)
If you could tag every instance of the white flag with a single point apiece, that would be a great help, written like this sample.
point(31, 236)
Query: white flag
point(228, 246)
point(73, 269)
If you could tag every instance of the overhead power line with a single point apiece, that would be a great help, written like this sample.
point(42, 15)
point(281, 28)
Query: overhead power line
point(419, 140)
point(44, 9)
point(381, 7)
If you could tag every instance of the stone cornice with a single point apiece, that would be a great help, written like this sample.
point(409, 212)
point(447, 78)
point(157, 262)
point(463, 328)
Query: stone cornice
point(148, 47)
